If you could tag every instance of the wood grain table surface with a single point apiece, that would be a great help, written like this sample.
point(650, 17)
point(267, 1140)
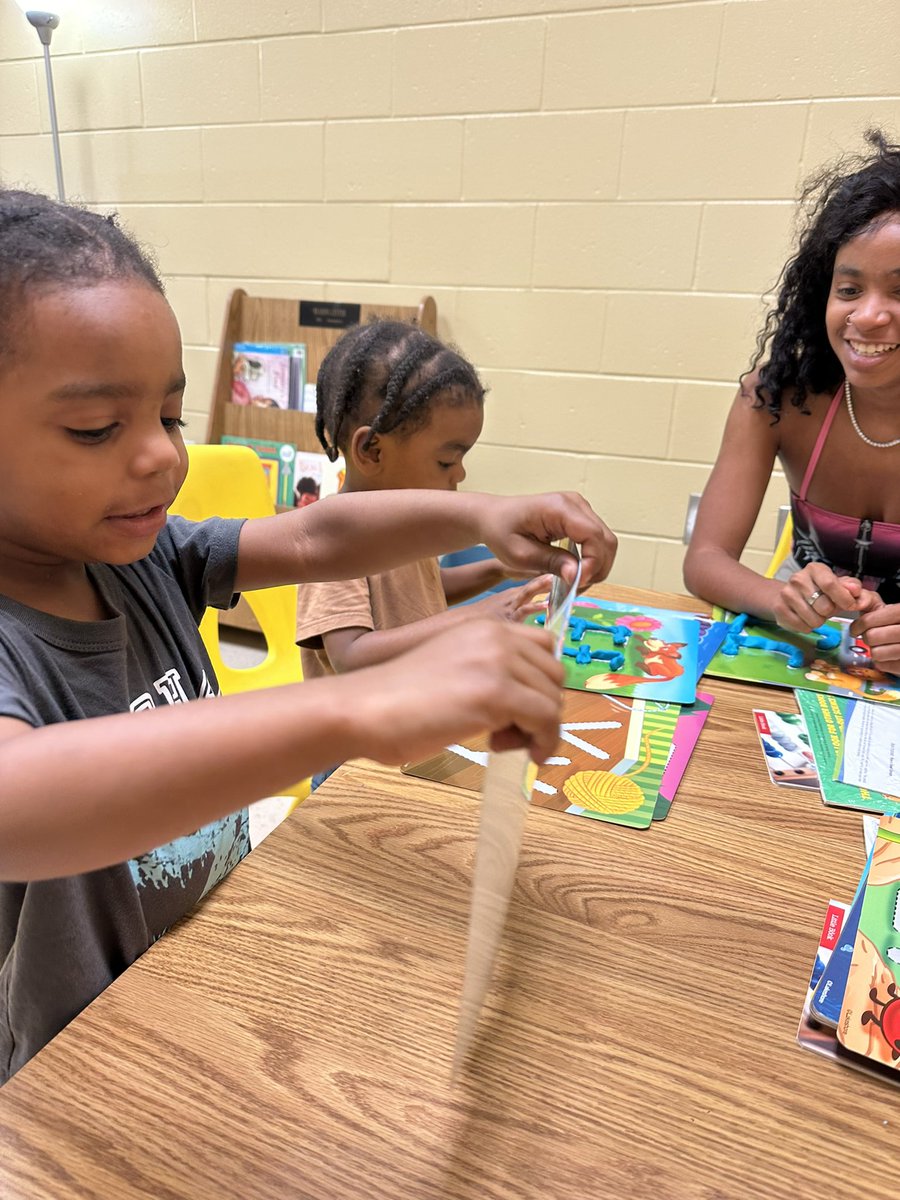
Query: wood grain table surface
point(293, 1037)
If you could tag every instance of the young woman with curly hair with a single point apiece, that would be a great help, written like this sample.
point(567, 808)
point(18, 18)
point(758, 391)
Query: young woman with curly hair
point(822, 397)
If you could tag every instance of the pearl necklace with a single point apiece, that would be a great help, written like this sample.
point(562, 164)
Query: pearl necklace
point(853, 421)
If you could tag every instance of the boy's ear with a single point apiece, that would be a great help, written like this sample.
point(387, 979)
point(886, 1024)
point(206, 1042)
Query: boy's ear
point(366, 459)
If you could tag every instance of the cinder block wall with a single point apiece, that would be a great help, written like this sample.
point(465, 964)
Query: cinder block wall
point(597, 194)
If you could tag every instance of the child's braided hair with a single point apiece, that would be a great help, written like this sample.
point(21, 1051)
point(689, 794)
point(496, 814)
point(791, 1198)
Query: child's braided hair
point(386, 373)
point(46, 244)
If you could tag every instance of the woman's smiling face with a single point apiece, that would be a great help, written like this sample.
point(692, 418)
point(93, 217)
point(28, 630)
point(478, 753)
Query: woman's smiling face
point(862, 316)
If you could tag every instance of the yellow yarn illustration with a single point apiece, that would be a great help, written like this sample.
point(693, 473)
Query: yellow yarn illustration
point(602, 791)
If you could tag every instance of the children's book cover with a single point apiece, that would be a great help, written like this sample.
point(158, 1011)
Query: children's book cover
point(278, 460)
point(316, 477)
point(828, 997)
point(824, 716)
point(810, 1033)
point(623, 650)
point(813, 1034)
point(297, 375)
point(608, 765)
point(260, 375)
point(786, 747)
point(826, 660)
point(870, 1017)
point(691, 719)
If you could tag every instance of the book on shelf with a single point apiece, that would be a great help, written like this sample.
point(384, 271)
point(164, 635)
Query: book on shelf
point(269, 374)
point(316, 477)
point(295, 477)
point(277, 459)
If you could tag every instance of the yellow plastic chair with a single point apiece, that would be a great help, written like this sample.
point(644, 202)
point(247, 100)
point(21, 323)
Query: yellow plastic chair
point(783, 549)
point(229, 481)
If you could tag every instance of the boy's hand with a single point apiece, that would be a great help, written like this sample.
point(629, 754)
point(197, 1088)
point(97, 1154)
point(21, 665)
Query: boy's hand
point(514, 604)
point(482, 676)
point(520, 530)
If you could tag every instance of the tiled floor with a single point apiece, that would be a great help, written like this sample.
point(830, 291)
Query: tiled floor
point(240, 648)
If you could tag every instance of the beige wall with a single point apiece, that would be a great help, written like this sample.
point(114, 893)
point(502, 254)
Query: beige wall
point(596, 194)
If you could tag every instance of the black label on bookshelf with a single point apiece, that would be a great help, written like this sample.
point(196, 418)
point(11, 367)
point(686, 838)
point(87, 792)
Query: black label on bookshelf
point(328, 313)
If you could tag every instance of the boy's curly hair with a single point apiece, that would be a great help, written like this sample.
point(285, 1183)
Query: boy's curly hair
point(836, 204)
point(46, 244)
point(387, 373)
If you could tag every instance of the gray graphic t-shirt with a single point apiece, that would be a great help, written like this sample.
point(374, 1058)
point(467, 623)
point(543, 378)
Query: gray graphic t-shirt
point(62, 941)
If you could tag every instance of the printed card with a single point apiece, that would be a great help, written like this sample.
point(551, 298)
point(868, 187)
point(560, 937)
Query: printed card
point(786, 748)
point(824, 716)
point(870, 750)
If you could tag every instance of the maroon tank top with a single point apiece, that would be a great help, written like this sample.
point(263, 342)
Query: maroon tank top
point(868, 550)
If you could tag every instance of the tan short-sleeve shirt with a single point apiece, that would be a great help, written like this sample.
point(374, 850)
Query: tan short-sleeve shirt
point(399, 597)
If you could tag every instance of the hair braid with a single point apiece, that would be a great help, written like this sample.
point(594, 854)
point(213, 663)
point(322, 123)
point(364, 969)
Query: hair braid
point(414, 356)
point(456, 378)
point(394, 368)
point(341, 383)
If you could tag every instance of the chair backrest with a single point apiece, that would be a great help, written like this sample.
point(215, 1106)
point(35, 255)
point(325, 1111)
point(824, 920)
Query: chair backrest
point(784, 543)
point(230, 481)
point(224, 481)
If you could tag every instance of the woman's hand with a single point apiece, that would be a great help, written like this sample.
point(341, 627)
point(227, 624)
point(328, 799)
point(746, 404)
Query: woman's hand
point(520, 530)
point(879, 628)
point(815, 593)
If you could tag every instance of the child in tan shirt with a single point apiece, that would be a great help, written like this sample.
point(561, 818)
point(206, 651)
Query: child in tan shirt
point(404, 410)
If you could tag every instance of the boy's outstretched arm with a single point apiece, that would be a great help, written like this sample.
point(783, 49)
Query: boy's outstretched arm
point(363, 533)
point(85, 794)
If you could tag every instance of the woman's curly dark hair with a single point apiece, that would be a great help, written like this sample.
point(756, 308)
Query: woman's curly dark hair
point(836, 204)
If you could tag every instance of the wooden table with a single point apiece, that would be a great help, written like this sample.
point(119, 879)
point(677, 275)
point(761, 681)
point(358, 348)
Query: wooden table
point(293, 1038)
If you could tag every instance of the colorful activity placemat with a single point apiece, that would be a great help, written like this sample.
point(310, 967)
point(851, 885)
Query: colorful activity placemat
point(825, 716)
point(688, 727)
point(757, 652)
point(711, 634)
point(608, 765)
point(626, 650)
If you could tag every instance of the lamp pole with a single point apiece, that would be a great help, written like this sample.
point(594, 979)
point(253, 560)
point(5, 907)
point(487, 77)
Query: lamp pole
point(45, 23)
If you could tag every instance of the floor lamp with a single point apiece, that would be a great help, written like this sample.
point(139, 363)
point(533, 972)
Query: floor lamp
point(45, 23)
